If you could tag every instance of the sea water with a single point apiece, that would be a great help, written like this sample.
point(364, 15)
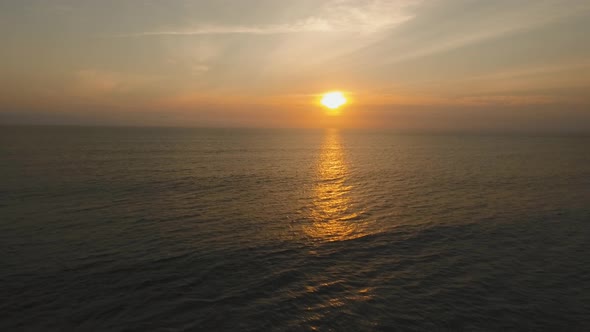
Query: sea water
point(156, 229)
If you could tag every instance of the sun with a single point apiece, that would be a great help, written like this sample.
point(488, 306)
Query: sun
point(333, 100)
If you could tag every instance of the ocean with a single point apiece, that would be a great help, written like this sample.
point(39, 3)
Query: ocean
point(162, 229)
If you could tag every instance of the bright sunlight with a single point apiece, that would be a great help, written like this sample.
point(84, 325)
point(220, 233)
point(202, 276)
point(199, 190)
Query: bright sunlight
point(333, 100)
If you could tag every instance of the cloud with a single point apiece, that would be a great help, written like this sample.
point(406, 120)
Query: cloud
point(199, 69)
point(97, 83)
point(509, 100)
point(308, 25)
point(442, 26)
point(365, 16)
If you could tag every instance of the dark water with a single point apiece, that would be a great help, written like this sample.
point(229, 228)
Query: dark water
point(197, 230)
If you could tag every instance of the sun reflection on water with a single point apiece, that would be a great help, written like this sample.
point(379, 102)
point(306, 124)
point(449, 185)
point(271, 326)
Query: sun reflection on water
point(333, 214)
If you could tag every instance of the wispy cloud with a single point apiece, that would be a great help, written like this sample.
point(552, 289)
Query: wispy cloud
point(432, 32)
point(91, 82)
point(308, 25)
point(365, 16)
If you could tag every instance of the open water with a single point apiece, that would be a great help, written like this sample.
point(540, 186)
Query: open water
point(130, 229)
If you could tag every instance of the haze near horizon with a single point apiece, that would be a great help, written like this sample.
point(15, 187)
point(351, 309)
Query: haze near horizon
point(406, 65)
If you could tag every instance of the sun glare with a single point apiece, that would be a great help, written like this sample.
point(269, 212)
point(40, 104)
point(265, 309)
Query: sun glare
point(333, 100)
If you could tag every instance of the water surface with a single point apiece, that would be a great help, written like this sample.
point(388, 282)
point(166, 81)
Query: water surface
point(128, 229)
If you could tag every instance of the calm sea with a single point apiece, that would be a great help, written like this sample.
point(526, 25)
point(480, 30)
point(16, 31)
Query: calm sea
point(121, 229)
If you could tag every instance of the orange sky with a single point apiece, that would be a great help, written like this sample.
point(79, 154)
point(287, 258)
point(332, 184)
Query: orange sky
point(406, 65)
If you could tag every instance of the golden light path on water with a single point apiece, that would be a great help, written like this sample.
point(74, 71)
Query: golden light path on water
point(333, 212)
point(334, 217)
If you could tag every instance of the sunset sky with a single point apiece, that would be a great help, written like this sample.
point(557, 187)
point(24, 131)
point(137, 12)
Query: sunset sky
point(407, 64)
